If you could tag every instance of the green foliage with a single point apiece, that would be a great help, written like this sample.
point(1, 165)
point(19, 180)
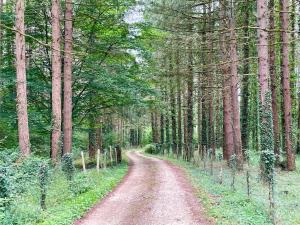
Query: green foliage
point(81, 184)
point(31, 192)
point(267, 139)
point(106, 73)
point(43, 178)
point(150, 149)
point(67, 166)
point(65, 207)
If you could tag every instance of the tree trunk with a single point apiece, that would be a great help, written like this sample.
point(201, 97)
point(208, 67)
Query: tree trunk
point(92, 143)
point(162, 128)
point(179, 110)
point(245, 80)
point(173, 119)
point(228, 144)
point(23, 128)
point(1, 34)
point(284, 17)
point(56, 80)
point(234, 93)
point(272, 69)
point(99, 138)
point(185, 125)
point(67, 120)
point(298, 102)
point(298, 136)
point(293, 79)
point(190, 116)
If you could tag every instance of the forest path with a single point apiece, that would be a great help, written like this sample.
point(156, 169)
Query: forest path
point(154, 192)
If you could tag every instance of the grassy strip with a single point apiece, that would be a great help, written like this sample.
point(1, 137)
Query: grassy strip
point(75, 207)
point(221, 202)
point(65, 201)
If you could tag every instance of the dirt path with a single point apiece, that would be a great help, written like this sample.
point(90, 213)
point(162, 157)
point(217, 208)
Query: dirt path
point(154, 192)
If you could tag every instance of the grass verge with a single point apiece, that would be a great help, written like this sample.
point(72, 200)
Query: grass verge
point(66, 201)
point(226, 206)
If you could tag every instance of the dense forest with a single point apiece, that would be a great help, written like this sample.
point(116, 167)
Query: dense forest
point(212, 82)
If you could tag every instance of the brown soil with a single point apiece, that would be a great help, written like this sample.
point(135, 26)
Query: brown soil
point(154, 192)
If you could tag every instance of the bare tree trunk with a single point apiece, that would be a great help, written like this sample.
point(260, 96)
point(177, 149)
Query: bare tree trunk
point(99, 138)
point(179, 109)
point(190, 114)
point(92, 143)
point(56, 80)
point(162, 128)
point(173, 119)
point(185, 124)
point(228, 144)
point(152, 127)
point(298, 102)
point(272, 69)
point(284, 17)
point(293, 76)
point(212, 126)
point(263, 66)
point(234, 94)
point(23, 129)
point(211, 141)
point(245, 80)
point(67, 121)
point(298, 135)
point(1, 33)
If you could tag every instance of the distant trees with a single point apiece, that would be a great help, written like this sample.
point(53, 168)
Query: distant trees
point(100, 75)
point(220, 37)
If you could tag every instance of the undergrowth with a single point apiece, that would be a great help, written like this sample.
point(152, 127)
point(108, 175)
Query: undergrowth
point(32, 192)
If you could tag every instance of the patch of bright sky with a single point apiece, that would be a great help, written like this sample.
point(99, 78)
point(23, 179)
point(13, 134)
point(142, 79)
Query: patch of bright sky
point(135, 15)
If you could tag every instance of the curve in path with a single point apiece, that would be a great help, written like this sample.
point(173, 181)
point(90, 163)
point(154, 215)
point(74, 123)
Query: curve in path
point(154, 192)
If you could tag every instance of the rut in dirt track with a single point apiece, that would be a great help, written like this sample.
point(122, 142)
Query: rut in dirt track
point(154, 192)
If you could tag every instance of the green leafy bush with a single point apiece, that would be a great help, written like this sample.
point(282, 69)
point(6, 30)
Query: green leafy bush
point(150, 149)
point(81, 184)
point(67, 166)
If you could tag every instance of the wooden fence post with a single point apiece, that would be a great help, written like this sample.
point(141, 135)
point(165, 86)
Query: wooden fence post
point(98, 160)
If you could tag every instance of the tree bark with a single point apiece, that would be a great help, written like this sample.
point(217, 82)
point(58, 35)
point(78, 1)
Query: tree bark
point(284, 17)
point(162, 128)
point(190, 114)
point(234, 93)
point(212, 143)
point(23, 129)
point(228, 144)
point(92, 143)
point(173, 120)
point(56, 80)
point(67, 113)
point(1, 34)
point(245, 80)
point(179, 108)
point(263, 66)
point(272, 69)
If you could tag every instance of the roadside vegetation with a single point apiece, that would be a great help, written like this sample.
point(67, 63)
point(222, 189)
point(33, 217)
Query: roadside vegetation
point(229, 203)
point(36, 193)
